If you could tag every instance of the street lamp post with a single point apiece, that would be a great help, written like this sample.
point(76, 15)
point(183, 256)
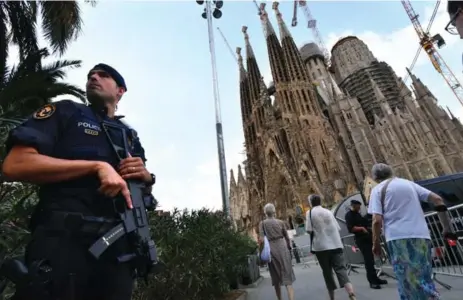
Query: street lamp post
point(209, 13)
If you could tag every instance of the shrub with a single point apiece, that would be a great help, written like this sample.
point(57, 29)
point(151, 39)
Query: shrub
point(203, 255)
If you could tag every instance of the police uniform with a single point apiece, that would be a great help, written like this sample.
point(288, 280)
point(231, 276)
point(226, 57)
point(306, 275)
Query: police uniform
point(364, 243)
point(73, 131)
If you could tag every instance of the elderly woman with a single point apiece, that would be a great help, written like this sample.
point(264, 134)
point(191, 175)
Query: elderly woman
point(280, 267)
point(327, 245)
point(395, 202)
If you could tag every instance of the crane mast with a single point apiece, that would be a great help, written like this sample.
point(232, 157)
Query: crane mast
point(427, 43)
point(312, 24)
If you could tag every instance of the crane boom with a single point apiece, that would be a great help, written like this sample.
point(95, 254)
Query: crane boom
point(228, 45)
point(427, 43)
point(259, 11)
point(312, 24)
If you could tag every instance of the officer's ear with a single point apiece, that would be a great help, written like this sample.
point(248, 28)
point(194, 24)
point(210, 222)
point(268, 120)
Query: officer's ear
point(120, 92)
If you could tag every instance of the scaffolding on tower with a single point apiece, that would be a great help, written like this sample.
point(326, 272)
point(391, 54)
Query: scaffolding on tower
point(428, 44)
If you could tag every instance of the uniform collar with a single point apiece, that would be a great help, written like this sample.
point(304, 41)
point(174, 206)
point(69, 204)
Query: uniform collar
point(103, 112)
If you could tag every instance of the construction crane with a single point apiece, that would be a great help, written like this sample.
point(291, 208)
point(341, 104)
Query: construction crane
point(427, 43)
point(259, 11)
point(228, 45)
point(312, 24)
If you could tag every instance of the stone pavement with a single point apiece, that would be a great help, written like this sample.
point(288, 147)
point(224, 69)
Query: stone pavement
point(309, 285)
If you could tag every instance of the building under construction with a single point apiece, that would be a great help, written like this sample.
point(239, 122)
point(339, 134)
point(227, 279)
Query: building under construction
point(321, 137)
point(357, 71)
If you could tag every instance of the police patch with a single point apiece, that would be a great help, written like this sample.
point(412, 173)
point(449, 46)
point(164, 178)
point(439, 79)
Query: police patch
point(91, 131)
point(45, 112)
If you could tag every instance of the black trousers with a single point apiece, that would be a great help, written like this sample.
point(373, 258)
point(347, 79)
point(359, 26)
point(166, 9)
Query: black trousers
point(76, 275)
point(366, 245)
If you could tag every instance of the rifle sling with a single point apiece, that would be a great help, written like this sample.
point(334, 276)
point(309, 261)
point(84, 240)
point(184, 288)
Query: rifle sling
point(107, 240)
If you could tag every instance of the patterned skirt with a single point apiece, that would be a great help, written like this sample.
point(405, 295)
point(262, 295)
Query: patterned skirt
point(412, 263)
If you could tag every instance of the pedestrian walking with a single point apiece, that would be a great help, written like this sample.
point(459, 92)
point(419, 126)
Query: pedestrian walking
point(395, 202)
point(280, 266)
point(327, 246)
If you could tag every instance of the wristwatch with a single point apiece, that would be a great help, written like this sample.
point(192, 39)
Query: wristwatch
point(153, 180)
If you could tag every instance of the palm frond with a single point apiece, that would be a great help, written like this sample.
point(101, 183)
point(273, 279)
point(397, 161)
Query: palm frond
point(61, 23)
point(22, 17)
point(30, 85)
point(4, 41)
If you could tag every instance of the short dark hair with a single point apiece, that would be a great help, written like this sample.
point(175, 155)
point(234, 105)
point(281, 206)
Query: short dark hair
point(315, 200)
point(453, 6)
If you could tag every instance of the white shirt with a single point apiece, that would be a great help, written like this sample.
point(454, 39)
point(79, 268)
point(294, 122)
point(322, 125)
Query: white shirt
point(326, 229)
point(403, 216)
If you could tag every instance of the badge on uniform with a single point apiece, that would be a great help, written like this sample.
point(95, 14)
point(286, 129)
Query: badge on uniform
point(45, 112)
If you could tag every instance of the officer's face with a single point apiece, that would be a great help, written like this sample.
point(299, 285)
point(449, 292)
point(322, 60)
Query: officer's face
point(102, 87)
point(356, 207)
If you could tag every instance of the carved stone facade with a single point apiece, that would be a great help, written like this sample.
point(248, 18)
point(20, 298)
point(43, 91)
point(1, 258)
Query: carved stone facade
point(305, 134)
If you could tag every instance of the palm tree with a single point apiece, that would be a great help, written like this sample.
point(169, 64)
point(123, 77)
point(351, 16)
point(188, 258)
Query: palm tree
point(61, 24)
point(29, 85)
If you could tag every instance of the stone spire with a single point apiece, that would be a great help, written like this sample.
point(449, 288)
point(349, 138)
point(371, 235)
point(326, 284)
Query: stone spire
point(296, 69)
point(245, 97)
point(275, 52)
point(254, 74)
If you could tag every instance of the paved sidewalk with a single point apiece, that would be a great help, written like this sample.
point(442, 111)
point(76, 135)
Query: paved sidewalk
point(310, 285)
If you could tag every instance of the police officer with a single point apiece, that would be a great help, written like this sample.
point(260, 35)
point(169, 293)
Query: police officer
point(455, 10)
point(358, 225)
point(63, 148)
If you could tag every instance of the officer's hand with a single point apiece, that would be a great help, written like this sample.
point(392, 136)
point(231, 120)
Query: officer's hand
point(112, 183)
point(134, 168)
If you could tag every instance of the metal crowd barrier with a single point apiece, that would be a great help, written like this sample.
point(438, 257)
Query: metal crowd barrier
point(354, 257)
point(447, 255)
point(305, 256)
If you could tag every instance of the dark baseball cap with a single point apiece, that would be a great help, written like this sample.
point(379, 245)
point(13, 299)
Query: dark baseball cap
point(354, 202)
point(113, 73)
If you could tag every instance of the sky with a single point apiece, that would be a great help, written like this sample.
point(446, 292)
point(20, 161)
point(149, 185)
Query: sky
point(162, 51)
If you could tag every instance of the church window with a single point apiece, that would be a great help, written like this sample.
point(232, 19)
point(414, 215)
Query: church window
point(348, 115)
point(325, 167)
point(324, 150)
point(305, 175)
point(308, 108)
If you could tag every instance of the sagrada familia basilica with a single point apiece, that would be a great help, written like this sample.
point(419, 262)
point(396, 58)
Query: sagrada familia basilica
point(320, 130)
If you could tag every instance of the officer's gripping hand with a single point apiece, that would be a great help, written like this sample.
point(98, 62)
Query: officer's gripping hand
point(134, 168)
point(112, 183)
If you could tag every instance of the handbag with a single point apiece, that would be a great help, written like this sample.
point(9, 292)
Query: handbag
point(312, 233)
point(265, 255)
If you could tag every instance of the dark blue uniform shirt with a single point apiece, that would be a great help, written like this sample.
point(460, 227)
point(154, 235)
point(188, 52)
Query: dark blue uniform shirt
point(73, 131)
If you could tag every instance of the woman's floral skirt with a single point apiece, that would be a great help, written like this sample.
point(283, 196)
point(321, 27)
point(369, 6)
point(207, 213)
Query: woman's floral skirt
point(412, 263)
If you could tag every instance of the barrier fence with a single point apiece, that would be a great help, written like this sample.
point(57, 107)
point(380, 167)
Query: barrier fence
point(447, 254)
point(305, 257)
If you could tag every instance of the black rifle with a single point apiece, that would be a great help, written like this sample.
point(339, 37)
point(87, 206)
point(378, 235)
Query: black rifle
point(134, 222)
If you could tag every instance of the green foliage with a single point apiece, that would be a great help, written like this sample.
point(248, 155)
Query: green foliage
point(203, 255)
point(61, 23)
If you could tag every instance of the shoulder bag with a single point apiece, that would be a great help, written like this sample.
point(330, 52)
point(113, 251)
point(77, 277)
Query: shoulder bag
point(265, 255)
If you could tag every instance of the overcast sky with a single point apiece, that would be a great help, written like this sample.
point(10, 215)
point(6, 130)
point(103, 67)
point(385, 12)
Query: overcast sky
point(161, 49)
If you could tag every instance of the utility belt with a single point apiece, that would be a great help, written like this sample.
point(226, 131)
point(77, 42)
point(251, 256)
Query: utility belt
point(76, 223)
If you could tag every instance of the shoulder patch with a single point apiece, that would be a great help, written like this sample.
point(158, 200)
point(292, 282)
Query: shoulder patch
point(45, 112)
